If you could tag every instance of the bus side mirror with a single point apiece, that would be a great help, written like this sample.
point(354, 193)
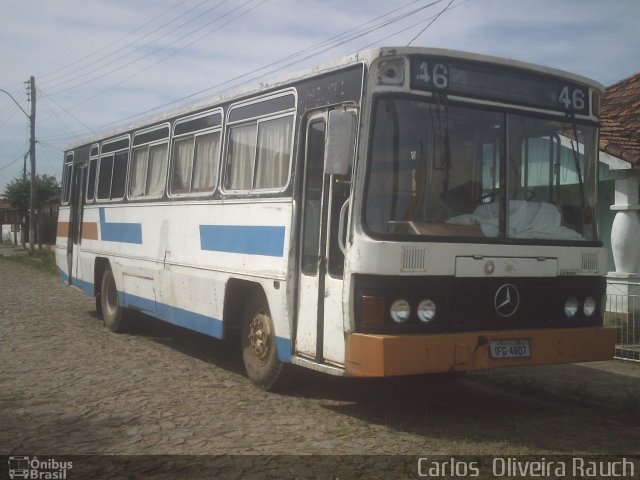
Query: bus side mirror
point(341, 141)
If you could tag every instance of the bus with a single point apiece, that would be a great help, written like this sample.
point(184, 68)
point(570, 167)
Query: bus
point(400, 211)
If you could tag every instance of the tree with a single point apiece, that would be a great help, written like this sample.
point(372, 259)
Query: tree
point(17, 193)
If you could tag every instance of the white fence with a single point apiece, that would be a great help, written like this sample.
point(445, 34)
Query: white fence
point(623, 311)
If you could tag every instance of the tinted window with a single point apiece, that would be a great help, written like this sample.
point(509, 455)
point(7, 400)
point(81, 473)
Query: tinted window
point(104, 177)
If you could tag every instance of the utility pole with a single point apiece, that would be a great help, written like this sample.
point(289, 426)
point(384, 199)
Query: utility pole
point(31, 91)
point(32, 154)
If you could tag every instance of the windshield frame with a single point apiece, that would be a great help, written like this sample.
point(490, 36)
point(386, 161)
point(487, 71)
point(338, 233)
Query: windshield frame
point(502, 238)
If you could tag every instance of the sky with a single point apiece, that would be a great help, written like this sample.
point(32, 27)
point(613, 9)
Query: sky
point(101, 64)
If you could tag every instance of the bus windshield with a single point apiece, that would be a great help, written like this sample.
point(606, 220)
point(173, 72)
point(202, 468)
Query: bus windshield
point(450, 171)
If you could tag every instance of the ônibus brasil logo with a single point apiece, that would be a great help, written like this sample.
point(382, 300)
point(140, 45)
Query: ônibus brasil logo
point(33, 468)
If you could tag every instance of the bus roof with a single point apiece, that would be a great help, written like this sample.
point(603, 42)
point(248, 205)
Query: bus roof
point(364, 56)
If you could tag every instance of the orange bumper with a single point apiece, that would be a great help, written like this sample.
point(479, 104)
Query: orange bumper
point(390, 355)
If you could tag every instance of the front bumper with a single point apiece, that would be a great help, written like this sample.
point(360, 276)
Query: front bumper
point(370, 355)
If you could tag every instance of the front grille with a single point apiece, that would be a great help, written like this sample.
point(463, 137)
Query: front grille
point(467, 304)
point(541, 302)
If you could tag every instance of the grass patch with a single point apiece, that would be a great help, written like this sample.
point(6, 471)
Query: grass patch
point(40, 259)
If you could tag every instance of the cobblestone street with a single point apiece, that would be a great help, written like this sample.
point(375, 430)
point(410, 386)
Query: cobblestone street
point(68, 386)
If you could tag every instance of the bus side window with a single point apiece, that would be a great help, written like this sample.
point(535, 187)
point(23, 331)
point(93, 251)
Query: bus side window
point(273, 153)
point(195, 153)
point(105, 172)
point(119, 180)
point(66, 178)
point(156, 170)
point(91, 181)
point(260, 144)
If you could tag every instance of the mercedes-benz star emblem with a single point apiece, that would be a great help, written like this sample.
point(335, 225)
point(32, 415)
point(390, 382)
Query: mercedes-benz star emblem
point(507, 300)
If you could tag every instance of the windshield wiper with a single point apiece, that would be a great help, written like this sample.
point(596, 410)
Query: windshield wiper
point(441, 101)
point(393, 111)
point(576, 157)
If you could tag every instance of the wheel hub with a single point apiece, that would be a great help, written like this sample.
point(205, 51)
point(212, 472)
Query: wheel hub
point(260, 336)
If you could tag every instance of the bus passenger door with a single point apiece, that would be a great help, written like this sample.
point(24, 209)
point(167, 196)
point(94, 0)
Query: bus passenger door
point(325, 200)
point(75, 228)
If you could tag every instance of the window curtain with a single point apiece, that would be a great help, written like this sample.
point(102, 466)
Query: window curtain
point(156, 170)
point(205, 168)
point(242, 145)
point(138, 174)
point(536, 150)
point(182, 162)
point(274, 153)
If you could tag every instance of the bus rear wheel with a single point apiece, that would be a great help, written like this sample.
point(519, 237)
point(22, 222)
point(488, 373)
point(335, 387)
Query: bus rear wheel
point(259, 352)
point(113, 314)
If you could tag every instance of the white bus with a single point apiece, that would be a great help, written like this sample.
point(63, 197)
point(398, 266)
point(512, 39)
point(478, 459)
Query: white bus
point(399, 211)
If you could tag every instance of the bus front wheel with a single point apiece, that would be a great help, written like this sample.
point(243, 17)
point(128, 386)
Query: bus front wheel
point(112, 312)
point(259, 354)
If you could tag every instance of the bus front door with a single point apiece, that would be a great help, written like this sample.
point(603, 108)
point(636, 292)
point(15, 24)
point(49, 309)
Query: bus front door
point(319, 329)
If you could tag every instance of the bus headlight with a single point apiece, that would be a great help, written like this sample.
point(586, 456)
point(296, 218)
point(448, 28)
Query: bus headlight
point(589, 306)
point(400, 311)
point(426, 310)
point(571, 307)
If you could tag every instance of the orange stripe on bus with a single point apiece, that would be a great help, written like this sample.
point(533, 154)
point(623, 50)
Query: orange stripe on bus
point(90, 231)
point(63, 229)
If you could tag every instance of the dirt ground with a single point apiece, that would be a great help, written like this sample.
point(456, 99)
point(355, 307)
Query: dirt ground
point(68, 386)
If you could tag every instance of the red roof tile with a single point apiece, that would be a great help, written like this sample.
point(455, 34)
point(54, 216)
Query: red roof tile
point(620, 132)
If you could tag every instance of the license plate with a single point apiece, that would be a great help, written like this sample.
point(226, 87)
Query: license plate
point(509, 349)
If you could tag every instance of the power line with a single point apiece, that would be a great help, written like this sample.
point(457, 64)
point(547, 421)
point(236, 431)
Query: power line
point(412, 26)
point(11, 112)
point(4, 167)
point(342, 39)
point(332, 42)
point(137, 29)
point(120, 58)
point(75, 62)
point(343, 34)
point(233, 19)
point(45, 154)
point(48, 97)
point(431, 22)
point(54, 115)
point(13, 138)
point(172, 53)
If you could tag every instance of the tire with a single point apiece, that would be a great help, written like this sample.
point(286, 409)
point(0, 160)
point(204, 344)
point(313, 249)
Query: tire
point(259, 354)
point(99, 304)
point(113, 314)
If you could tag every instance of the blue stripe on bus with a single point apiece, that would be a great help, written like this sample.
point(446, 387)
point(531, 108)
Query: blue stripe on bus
point(64, 276)
point(283, 347)
point(87, 288)
point(193, 321)
point(250, 240)
point(120, 232)
point(184, 318)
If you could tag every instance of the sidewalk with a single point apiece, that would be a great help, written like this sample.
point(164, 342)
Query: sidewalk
point(613, 384)
point(9, 251)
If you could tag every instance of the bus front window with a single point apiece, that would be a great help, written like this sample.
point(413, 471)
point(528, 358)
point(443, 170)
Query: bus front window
point(440, 170)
